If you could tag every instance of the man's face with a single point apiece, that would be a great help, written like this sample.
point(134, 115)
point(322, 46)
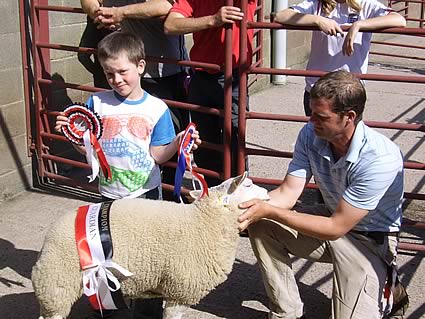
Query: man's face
point(327, 124)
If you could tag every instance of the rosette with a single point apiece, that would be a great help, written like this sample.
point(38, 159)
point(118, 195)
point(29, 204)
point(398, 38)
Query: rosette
point(184, 163)
point(85, 128)
point(81, 119)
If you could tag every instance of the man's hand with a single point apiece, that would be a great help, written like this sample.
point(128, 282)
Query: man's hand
point(255, 210)
point(227, 14)
point(329, 26)
point(109, 17)
point(348, 46)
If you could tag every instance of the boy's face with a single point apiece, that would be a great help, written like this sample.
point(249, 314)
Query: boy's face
point(124, 76)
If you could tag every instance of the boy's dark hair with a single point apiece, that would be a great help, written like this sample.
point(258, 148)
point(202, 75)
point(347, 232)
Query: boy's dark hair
point(344, 89)
point(116, 43)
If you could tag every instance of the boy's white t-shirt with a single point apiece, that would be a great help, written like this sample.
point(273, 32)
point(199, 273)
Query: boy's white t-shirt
point(326, 51)
point(129, 129)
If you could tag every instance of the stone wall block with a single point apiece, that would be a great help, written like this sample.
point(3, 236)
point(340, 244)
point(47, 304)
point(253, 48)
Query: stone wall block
point(12, 120)
point(11, 86)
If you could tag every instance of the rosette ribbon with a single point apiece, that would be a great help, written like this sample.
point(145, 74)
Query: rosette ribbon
point(184, 163)
point(93, 147)
point(99, 281)
point(85, 128)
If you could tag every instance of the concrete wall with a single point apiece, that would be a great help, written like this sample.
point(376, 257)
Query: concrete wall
point(15, 168)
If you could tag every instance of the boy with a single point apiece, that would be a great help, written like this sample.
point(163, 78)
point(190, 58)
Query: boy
point(138, 132)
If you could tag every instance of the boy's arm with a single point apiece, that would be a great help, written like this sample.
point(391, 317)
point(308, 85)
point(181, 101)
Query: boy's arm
point(163, 153)
point(177, 23)
point(143, 10)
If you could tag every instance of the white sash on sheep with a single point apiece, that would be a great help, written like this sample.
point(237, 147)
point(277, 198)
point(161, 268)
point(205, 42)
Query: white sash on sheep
point(94, 244)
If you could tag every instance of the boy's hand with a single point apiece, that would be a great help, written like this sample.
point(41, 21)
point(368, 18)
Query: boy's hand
point(61, 120)
point(195, 135)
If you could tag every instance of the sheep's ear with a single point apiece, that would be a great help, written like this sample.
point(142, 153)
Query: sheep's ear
point(236, 182)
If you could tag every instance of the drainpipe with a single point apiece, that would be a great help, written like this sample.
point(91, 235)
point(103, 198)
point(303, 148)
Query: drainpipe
point(279, 45)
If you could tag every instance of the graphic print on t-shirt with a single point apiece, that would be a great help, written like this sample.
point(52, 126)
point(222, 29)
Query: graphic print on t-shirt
point(121, 141)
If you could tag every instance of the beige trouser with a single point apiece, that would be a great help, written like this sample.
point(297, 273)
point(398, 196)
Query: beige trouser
point(360, 269)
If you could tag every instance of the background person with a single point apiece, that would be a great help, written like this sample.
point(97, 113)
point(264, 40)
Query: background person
point(331, 48)
point(360, 174)
point(206, 20)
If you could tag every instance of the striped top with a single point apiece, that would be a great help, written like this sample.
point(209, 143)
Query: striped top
point(369, 176)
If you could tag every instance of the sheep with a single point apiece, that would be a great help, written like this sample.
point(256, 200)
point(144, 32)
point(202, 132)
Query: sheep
point(178, 251)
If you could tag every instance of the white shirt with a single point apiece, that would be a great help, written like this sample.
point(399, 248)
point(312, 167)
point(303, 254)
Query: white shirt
point(326, 51)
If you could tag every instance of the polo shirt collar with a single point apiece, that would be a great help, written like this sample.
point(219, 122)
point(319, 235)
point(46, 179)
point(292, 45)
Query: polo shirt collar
point(356, 144)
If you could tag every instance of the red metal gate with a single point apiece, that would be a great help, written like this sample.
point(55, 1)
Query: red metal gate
point(51, 159)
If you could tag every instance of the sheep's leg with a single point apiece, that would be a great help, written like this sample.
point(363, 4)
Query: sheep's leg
point(57, 286)
point(174, 310)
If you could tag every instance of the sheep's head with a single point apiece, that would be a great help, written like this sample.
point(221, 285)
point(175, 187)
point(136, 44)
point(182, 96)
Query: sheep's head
point(237, 190)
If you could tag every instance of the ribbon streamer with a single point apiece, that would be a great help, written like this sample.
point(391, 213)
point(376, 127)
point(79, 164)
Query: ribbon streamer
point(93, 147)
point(184, 163)
point(98, 277)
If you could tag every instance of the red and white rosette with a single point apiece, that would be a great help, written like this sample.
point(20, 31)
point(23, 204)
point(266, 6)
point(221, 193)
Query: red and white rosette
point(85, 128)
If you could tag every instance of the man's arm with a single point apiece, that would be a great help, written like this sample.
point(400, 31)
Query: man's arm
point(143, 10)
point(337, 225)
point(176, 23)
point(90, 7)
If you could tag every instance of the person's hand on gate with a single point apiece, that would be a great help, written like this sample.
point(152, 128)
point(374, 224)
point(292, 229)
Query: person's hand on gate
point(329, 26)
point(109, 17)
point(348, 46)
point(227, 14)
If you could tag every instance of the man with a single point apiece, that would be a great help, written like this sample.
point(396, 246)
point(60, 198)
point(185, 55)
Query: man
point(360, 175)
point(206, 19)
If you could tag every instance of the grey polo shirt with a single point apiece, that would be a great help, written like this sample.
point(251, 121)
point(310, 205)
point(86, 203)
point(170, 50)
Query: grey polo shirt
point(369, 176)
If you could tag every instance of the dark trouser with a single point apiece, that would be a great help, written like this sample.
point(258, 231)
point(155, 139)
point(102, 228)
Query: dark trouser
point(139, 309)
point(306, 101)
point(208, 90)
point(170, 88)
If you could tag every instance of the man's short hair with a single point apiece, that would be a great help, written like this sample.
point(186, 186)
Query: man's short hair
point(116, 43)
point(345, 91)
